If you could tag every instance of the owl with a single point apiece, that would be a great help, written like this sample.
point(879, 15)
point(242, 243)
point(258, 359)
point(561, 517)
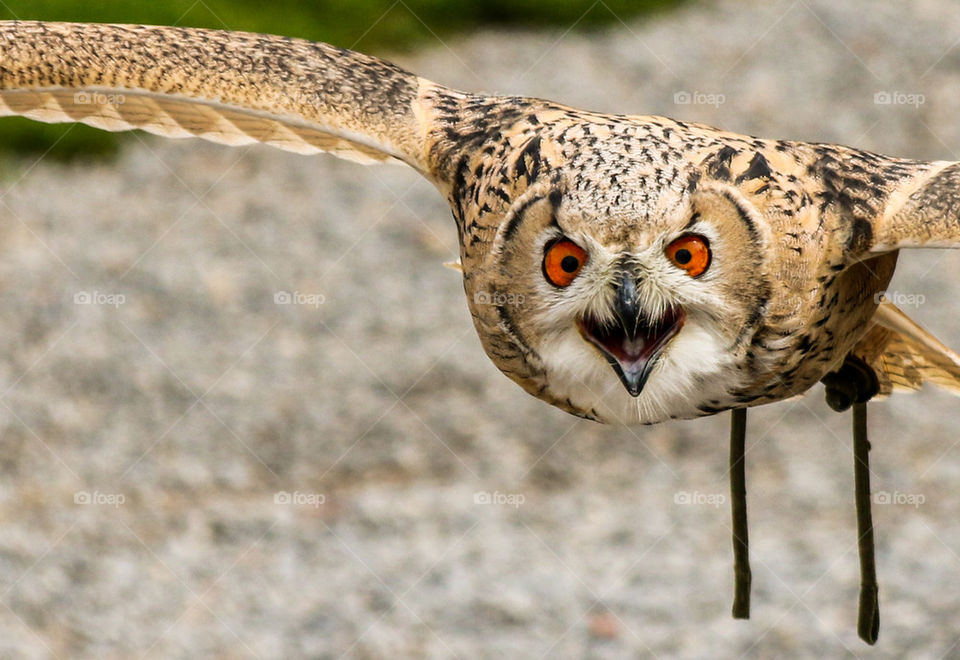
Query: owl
point(627, 269)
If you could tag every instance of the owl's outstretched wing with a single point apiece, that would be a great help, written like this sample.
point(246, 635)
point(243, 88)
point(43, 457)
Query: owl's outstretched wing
point(233, 88)
point(905, 356)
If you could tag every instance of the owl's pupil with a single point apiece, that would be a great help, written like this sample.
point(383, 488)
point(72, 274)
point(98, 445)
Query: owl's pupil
point(569, 264)
point(683, 256)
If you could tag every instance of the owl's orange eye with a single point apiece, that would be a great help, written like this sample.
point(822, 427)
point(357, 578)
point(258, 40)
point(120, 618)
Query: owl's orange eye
point(691, 253)
point(562, 262)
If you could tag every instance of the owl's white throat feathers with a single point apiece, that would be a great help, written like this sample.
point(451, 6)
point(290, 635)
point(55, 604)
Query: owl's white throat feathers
point(693, 369)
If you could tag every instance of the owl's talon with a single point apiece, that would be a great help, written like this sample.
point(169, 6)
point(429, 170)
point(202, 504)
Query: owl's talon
point(854, 382)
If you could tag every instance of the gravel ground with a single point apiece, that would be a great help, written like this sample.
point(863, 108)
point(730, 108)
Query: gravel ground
point(184, 399)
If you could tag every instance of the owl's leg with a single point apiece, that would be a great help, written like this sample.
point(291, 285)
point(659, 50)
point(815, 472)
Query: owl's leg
point(868, 615)
point(854, 384)
point(738, 508)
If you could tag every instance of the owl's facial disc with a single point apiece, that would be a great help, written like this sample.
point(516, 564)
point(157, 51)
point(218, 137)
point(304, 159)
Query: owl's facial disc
point(633, 342)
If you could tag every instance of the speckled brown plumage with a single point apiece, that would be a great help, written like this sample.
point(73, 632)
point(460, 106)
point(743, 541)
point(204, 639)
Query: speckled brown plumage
point(229, 87)
point(803, 237)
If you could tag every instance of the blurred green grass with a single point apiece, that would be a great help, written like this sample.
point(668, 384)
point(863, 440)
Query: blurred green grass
point(372, 26)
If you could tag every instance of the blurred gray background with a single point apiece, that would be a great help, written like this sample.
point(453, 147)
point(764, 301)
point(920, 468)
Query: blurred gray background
point(183, 402)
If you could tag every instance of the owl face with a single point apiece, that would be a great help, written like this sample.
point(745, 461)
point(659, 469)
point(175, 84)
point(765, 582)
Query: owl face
point(625, 309)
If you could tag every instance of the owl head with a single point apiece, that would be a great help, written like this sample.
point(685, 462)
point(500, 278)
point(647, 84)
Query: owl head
point(621, 320)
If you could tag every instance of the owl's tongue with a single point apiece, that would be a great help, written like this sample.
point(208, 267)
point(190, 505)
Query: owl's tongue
point(631, 348)
point(634, 349)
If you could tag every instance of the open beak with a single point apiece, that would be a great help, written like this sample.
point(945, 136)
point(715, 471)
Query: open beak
point(633, 342)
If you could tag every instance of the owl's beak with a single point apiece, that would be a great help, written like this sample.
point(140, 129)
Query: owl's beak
point(634, 342)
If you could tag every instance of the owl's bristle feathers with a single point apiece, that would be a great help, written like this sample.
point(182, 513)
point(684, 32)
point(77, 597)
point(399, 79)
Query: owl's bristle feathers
point(632, 345)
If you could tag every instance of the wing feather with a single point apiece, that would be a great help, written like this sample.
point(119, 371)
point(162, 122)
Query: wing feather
point(905, 355)
point(923, 211)
point(233, 88)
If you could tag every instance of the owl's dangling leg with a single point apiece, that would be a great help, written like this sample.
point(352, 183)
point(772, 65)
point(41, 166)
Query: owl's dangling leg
point(868, 619)
point(738, 508)
point(854, 384)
